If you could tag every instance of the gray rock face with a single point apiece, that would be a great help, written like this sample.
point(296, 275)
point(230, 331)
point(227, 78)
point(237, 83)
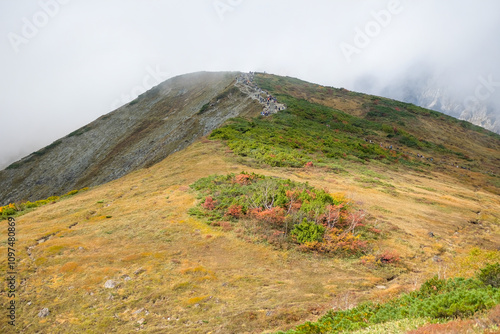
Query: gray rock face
point(158, 123)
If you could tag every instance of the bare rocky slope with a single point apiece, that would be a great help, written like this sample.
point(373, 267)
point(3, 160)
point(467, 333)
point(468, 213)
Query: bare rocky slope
point(161, 121)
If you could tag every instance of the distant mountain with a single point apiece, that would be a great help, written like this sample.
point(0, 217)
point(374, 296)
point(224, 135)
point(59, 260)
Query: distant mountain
point(480, 114)
point(421, 86)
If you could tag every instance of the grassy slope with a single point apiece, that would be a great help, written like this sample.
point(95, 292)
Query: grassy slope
point(184, 267)
point(205, 278)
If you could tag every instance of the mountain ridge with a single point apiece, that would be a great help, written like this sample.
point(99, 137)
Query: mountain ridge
point(161, 121)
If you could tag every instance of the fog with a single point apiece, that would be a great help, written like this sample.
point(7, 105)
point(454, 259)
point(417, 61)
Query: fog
point(67, 62)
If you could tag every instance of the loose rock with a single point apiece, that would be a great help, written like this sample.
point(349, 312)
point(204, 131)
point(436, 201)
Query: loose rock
point(110, 284)
point(44, 313)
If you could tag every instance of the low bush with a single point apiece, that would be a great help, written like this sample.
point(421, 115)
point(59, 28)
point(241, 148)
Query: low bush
point(388, 256)
point(490, 275)
point(282, 210)
point(307, 232)
point(14, 209)
point(437, 300)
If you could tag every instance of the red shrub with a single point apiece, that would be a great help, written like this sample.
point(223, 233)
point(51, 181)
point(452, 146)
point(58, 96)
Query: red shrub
point(331, 216)
point(234, 211)
point(296, 206)
point(494, 315)
point(336, 242)
point(388, 257)
point(209, 203)
point(309, 164)
point(274, 216)
point(243, 179)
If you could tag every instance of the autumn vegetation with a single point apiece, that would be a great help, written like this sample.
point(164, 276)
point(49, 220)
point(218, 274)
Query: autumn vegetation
point(437, 300)
point(16, 209)
point(279, 211)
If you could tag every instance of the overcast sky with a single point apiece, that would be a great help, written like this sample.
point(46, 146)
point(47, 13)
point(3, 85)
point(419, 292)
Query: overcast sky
point(66, 62)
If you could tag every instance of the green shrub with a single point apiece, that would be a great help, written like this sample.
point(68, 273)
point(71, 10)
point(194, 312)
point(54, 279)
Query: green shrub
point(308, 232)
point(490, 275)
point(15, 165)
point(437, 300)
point(8, 211)
point(204, 108)
point(80, 131)
point(30, 205)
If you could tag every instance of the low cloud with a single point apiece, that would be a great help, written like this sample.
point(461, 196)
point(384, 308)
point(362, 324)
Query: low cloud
point(85, 56)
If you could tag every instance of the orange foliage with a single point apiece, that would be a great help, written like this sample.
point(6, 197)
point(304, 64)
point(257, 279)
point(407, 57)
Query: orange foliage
point(274, 216)
point(336, 241)
point(243, 179)
point(209, 203)
point(234, 211)
point(388, 257)
point(332, 215)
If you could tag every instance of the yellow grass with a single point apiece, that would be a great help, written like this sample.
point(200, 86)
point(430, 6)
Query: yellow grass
point(188, 277)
